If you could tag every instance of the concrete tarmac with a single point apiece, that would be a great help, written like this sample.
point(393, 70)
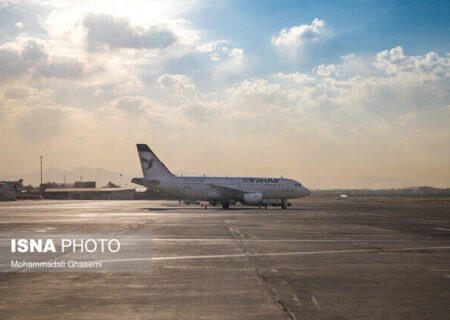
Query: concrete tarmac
point(320, 259)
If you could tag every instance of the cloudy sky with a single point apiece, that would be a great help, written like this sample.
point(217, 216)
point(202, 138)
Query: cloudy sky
point(332, 93)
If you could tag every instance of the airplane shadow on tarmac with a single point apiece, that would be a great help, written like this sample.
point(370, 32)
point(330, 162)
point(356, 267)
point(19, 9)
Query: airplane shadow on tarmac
point(227, 210)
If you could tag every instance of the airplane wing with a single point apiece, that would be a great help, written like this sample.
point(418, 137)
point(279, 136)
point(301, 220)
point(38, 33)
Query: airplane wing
point(227, 191)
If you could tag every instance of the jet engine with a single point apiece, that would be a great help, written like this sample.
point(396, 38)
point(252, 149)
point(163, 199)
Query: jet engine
point(214, 196)
point(252, 198)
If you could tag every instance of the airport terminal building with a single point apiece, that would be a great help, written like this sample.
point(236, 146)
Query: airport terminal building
point(89, 194)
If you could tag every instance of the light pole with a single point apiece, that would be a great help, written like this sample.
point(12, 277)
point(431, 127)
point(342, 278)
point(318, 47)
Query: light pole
point(41, 177)
point(121, 180)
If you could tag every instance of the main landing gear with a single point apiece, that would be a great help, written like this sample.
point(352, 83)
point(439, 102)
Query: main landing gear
point(283, 204)
point(225, 204)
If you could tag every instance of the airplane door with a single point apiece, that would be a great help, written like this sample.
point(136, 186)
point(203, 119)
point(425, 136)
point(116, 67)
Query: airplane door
point(174, 186)
point(284, 185)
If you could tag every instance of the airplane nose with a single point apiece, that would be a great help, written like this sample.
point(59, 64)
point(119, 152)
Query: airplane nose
point(306, 191)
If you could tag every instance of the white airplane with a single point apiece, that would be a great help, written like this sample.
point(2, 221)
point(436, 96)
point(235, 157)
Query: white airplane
point(226, 190)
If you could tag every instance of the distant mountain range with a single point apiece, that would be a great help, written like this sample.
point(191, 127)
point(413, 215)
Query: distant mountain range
point(53, 174)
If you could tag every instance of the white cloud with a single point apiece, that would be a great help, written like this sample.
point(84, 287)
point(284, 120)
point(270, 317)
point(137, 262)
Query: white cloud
point(353, 65)
point(233, 64)
point(34, 50)
point(60, 67)
point(394, 62)
point(255, 96)
point(46, 122)
point(297, 36)
point(18, 58)
point(370, 97)
point(12, 64)
point(215, 49)
point(348, 57)
point(26, 93)
point(207, 47)
point(326, 70)
point(407, 117)
point(132, 105)
point(201, 111)
point(295, 77)
point(19, 92)
point(178, 84)
point(21, 17)
point(118, 33)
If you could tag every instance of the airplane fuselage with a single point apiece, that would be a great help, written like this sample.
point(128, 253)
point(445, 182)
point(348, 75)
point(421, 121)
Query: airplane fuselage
point(205, 188)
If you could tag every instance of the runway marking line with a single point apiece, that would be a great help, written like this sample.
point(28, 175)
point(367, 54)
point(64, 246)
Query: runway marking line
point(241, 255)
point(278, 240)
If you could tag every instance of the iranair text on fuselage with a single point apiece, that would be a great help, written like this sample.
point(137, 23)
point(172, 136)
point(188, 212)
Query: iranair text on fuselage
point(261, 180)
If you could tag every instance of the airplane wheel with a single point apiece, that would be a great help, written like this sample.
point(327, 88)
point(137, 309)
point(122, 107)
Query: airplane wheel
point(283, 205)
point(225, 205)
point(265, 207)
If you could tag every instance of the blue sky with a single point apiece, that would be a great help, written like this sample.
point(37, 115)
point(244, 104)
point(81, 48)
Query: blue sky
point(332, 93)
point(362, 27)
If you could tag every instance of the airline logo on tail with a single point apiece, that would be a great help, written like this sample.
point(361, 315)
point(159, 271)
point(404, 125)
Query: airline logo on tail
point(148, 162)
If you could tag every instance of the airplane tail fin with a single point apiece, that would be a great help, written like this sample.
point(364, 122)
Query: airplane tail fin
point(151, 165)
